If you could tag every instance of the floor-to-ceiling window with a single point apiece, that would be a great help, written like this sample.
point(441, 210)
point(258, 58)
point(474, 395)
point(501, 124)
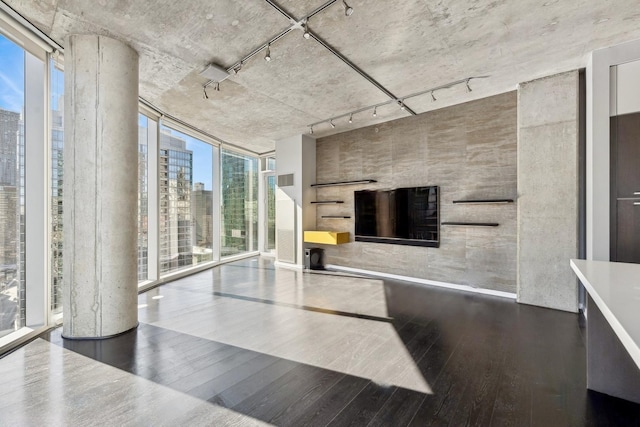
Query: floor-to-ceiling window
point(186, 216)
point(239, 198)
point(11, 186)
point(186, 200)
point(56, 79)
point(271, 213)
point(143, 198)
point(23, 193)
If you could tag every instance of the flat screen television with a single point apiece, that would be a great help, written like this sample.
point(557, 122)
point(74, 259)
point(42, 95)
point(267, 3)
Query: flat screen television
point(402, 216)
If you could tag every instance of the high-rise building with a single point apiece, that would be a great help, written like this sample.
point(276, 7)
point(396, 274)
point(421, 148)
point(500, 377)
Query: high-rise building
point(239, 204)
point(57, 162)
point(11, 217)
point(176, 177)
point(9, 128)
point(9, 214)
point(201, 209)
point(143, 205)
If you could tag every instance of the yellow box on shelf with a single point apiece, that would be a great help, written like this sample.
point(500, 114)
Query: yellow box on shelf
point(327, 237)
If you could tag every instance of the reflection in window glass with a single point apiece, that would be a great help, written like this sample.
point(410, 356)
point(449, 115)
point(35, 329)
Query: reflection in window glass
point(239, 203)
point(186, 199)
point(12, 286)
point(143, 205)
point(271, 163)
point(57, 148)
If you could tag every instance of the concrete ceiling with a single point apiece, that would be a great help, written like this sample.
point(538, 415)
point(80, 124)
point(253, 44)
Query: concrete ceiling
point(406, 45)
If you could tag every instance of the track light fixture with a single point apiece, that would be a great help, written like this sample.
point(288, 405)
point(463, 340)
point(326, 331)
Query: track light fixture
point(238, 68)
point(267, 55)
point(306, 34)
point(348, 10)
point(396, 101)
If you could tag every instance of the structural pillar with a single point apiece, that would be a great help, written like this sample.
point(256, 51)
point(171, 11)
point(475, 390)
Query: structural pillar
point(548, 204)
point(100, 187)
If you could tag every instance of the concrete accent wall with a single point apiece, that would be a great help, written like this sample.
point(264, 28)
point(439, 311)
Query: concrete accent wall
point(548, 191)
point(100, 187)
point(469, 151)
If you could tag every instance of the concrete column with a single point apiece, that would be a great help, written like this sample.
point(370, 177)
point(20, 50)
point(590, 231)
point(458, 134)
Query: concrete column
point(100, 187)
point(548, 191)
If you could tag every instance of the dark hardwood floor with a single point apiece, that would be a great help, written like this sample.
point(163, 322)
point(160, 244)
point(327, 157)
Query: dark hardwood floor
point(488, 361)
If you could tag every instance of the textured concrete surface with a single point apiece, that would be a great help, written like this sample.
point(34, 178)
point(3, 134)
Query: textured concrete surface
point(407, 45)
point(469, 151)
point(100, 187)
point(548, 191)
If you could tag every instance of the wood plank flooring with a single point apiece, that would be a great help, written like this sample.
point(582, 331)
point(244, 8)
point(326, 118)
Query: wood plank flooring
point(290, 348)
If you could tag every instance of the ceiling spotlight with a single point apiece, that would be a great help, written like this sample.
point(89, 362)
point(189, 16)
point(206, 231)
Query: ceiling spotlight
point(267, 56)
point(402, 107)
point(237, 69)
point(348, 10)
point(351, 118)
point(468, 87)
point(306, 34)
point(310, 130)
point(331, 123)
point(433, 98)
point(375, 111)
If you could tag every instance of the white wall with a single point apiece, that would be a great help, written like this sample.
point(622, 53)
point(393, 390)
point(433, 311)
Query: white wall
point(625, 88)
point(598, 112)
point(296, 155)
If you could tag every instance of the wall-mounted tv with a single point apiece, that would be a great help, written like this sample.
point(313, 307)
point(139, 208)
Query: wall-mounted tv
point(402, 216)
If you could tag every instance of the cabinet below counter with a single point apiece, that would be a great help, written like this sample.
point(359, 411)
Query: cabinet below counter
point(613, 326)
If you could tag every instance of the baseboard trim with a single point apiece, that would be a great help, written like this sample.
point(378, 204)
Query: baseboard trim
point(465, 288)
point(288, 265)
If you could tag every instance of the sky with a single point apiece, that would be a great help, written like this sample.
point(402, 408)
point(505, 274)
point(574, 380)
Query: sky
point(11, 75)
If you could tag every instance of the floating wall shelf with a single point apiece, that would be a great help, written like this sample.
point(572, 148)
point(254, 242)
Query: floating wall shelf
point(335, 216)
point(327, 237)
point(330, 184)
point(472, 224)
point(483, 202)
point(326, 202)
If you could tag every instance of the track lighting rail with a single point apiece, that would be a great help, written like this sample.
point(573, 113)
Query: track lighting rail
point(359, 71)
point(295, 24)
point(399, 101)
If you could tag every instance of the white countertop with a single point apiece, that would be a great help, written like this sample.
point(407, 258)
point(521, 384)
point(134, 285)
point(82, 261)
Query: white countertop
point(615, 288)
